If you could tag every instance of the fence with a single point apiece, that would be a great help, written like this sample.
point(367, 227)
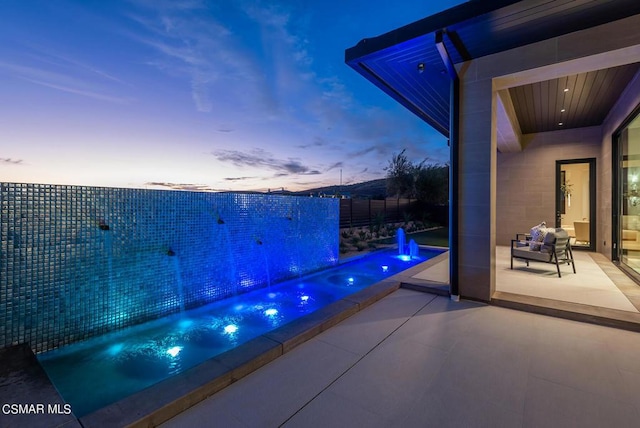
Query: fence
point(363, 212)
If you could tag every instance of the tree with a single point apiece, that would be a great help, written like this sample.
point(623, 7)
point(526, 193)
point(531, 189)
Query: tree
point(428, 183)
point(432, 184)
point(401, 176)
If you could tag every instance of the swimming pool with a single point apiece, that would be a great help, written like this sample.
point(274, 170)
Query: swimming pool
point(100, 371)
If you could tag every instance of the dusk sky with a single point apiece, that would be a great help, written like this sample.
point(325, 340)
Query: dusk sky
point(191, 94)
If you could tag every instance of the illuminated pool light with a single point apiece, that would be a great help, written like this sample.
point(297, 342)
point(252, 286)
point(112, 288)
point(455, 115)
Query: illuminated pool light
point(405, 258)
point(271, 312)
point(115, 349)
point(174, 351)
point(350, 280)
point(385, 268)
point(184, 324)
point(231, 328)
point(272, 295)
point(304, 298)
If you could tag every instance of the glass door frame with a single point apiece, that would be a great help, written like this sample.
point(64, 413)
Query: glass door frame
point(616, 193)
point(592, 198)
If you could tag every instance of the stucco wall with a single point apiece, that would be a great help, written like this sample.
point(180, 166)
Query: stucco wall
point(526, 180)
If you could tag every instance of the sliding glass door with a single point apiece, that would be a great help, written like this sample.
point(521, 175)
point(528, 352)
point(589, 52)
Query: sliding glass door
point(627, 233)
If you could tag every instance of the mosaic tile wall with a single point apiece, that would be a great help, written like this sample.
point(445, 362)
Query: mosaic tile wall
point(77, 262)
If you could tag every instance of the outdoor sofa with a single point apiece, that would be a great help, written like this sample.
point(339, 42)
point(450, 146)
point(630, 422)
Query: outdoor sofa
point(545, 245)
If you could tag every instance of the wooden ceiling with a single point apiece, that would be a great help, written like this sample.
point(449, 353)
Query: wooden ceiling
point(546, 106)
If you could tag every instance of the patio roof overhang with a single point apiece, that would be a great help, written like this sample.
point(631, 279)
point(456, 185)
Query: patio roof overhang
point(405, 63)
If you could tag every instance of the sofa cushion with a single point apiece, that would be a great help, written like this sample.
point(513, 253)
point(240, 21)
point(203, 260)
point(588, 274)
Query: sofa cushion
point(550, 238)
point(524, 253)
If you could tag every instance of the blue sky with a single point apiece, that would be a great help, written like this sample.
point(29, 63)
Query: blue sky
point(195, 94)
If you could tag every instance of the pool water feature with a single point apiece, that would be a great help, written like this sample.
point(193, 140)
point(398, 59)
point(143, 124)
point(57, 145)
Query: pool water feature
point(100, 371)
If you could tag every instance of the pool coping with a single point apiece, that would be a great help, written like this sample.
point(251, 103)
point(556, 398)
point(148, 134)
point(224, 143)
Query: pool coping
point(166, 399)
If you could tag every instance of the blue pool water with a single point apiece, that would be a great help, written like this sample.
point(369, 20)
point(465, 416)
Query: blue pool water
point(97, 372)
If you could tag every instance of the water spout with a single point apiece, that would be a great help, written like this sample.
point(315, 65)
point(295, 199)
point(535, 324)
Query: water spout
point(413, 249)
point(266, 261)
point(232, 276)
point(108, 248)
point(175, 264)
point(400, 239)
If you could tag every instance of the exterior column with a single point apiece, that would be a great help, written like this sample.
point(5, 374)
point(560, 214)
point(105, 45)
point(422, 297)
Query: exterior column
point(477, 156)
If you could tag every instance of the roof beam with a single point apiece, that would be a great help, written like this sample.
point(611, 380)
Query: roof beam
point(508, 127)
point(446, 58)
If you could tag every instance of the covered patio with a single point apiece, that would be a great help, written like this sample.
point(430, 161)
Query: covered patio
point(599, 292)
point(523, 90)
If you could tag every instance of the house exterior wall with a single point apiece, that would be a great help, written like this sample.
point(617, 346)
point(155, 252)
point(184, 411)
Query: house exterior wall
point(526, 180)
point(477, 192)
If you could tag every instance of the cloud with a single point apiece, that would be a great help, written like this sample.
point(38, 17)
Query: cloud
point(381, 149)
point(277, 23)
point(259, 158)
point(174, 4)
point(59, 81)
point(9, 161)
point(47, 55)
point(192, 44)
point(334, 166)
point(318, 142)
point(239, 178)
point(253, 55)
point(183, 186)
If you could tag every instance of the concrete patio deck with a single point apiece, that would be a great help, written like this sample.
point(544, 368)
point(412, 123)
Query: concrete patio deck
point(419, 359)
point(416, 359)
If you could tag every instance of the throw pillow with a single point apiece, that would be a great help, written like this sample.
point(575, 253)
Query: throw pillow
point(537, 236)
point(549, 239)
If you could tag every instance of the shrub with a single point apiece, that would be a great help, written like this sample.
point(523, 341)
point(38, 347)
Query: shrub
point(378, 221)
point(407, 217)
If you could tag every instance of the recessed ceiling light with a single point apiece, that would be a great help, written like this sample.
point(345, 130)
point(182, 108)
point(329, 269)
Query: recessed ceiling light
point(562, 111)
point(560, 123)
point(566, 89)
